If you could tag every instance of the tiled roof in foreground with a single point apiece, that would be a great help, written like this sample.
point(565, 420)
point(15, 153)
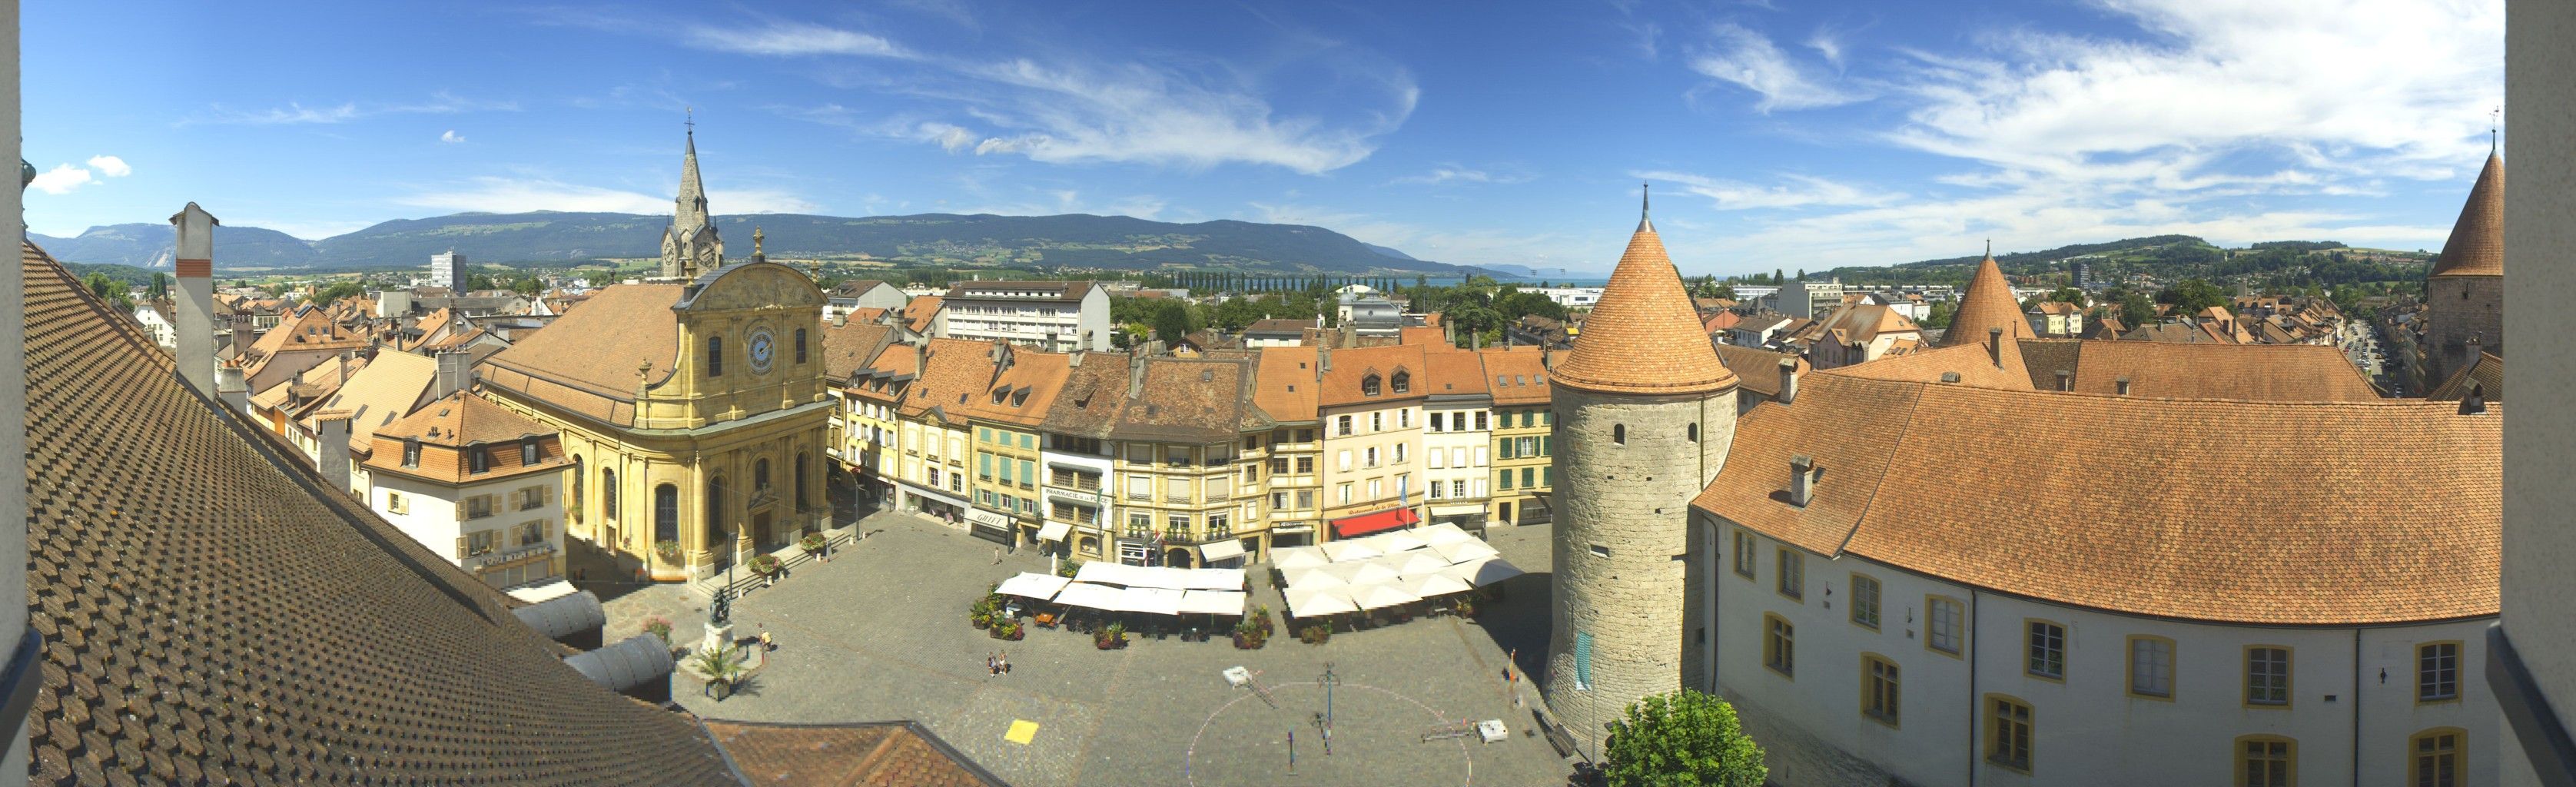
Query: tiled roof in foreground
point(2300, 513)
point(210, 617)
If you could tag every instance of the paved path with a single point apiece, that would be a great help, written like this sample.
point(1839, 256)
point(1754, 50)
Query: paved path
point(880, 633)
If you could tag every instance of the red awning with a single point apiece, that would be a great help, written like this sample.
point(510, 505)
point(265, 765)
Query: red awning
point(1365, 524)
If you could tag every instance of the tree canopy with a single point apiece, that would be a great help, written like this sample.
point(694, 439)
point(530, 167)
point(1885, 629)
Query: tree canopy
point(1682, 739)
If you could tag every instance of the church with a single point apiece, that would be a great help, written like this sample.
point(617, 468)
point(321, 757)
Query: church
point(692, 406)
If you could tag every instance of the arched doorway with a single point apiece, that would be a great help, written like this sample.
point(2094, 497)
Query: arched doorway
point(718, 526)
point(1177, 557)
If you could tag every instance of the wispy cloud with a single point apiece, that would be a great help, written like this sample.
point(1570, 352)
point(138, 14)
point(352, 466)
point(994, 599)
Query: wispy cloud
point(110, 166)
point(1797, 191)
point(519, 195)
point(1447, 173)
point(62, 179)
point(441, 103)
point(793, 39)
point(451, 137)
point(1748, 59)
point(1083, 110)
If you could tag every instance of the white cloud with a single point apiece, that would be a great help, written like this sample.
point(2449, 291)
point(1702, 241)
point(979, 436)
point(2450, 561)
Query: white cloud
point(1827, 44)
point(790, 39)
point(1446, 173)
point(62, 179)
point(519, 195)
point(440, 103)
point(451, 137)
point(1798, 191)
point(110, 166)
point(1750, 60)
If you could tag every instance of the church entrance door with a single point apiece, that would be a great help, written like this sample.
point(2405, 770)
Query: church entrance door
point(760, 529)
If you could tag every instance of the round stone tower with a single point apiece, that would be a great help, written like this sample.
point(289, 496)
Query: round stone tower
point(1643, 412)
point(2464, 294)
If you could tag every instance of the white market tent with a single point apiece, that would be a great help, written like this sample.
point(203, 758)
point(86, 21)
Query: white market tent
point(1033, 585)
point(1085, 594)
point(1312, 602)
point(1355, 549)
point(1293, 558)
point(1214, 602)
point(1420, 561)
point(1443, 533)
point(1361, 573)
point(1313, 578)
point(1465, 551)
point(1393, 541)
point(1107, 573)
point(1433, 584)
point(1484, 572)
point(1158, 601)
point(1379, 596)
point(1208, 578)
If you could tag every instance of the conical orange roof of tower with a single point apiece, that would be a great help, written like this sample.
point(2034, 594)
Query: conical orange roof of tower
point(1644, 337)
point(1987, 304)
point(2476, 247)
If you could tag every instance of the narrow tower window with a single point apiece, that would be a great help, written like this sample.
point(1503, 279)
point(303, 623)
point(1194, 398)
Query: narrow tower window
point(1619, 433)
point(1694, 433)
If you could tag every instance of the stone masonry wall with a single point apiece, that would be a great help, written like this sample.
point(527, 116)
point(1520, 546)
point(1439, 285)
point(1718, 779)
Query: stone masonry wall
point(1631, 500)
point(2456, 319)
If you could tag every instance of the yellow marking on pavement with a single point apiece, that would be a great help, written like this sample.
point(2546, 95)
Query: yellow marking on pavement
point(1022, 731)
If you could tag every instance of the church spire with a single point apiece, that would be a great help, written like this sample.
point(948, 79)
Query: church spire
point(691, 210)
point(1645, 207)
point(690, 246)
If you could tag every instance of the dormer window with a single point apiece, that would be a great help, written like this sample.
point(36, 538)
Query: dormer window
point(1369, 385)
point(1403, 382)
point(478, 460)
point(528, 451)
point(411, 452)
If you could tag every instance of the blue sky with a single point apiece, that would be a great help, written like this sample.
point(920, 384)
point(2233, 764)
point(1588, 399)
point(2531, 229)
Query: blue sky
point(1777, 134)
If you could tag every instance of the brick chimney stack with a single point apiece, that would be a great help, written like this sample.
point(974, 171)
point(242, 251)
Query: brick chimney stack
point(1788, 380)
point(194, 308)
point(232, 390)
point(332, 432)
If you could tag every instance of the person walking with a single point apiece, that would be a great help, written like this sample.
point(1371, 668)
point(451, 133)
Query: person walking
point(992, 666)
point(1006, 662)
point(767, 644)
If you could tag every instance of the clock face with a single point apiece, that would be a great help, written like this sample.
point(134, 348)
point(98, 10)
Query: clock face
point(762, 348)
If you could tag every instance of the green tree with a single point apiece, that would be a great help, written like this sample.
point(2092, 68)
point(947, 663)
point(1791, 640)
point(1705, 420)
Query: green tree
point(160, 286)
point(1682, 739)
point(528, 285)
point(1236, 313)
point(2067, 295)
point(1940, 314)
point(2192, 295)
point(1171, 320)
point(2136, 309)
point(1726, 291)
point(109, 289)
point(478, 282)
point(337, 291)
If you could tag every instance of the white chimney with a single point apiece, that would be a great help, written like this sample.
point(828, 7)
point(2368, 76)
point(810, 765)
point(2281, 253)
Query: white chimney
point(232, 389)
point(1802, 484)
point(331, 428)
point(194, 308)
point(455, 373)
point(1788, 380)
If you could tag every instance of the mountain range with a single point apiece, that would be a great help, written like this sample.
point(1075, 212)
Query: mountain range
point(933, 239)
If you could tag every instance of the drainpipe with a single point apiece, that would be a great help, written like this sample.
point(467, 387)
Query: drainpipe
point(1974, 702)
point(2356, 707)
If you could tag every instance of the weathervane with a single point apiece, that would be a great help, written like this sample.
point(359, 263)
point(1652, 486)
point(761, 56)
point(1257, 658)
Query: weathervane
point(1645, 200)
point(2495, 119)
point(691, 115)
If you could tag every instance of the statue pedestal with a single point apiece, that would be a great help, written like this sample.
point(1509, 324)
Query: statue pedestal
point(718, 637)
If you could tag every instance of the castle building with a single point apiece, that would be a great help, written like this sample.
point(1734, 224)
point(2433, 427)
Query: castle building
point(690, 246)
point(2464, 294)
point(1646, 411)
point(1987, 306)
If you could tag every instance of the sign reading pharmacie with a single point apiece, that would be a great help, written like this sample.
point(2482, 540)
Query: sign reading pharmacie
point(988, 518)
point(1072, 496)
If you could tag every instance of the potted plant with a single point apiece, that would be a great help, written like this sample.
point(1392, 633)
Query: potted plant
point(1466, 607)
point(1317, 634)
point(1261, 612)
point(723, 668)
point(812, 542)
point(1110, 637)
point(764, 564)
point(1010, 630)
point(668, 549)
point(981, 612)
point(660, 627)
point(1251, 634)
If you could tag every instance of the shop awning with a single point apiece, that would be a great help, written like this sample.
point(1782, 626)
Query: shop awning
point(1032, 585)
point(1365, 524)
point(1221, 550)
point(1053, 531)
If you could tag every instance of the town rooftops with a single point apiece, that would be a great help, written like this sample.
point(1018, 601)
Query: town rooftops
point(1347, 373)
point(2476, 246)
point(2483, 377)
point(1277, 329)
point(2221, 511)
point(1519, 374)
point(855, 287)
point(449, 427)
point(385, 390)
point(1644, 336)
point(1757, 369)
point(2250, 372)
point(324, 646)
point(1287, 381)
point(849, 346)
point(1191, 400)
point(587, 362)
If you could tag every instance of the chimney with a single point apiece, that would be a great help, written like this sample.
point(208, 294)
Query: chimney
point(1480, 341)
point(2476, 403)
point(1073, 360)
point(455, 373)
point(1323, 360)
point(1802, 480)
point(332, 432)
point(232, 389)
point(1546, 356)
point(1788, 380)
point(1995, 346)
point(344, 366)
point(2065, 380)
point(1949, 377)
point(1350, 335)
point(2124, 386)
point(194, 308)
point(1135, 376)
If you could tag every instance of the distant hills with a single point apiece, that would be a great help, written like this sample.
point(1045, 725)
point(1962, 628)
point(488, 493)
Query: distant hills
point(2168, 258)
point(934, 239)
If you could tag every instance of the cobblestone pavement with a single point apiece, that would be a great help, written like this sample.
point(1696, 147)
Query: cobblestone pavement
point(880, 633)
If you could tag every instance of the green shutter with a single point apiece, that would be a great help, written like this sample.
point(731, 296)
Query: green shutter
point(984, 464)
point(1504, 479)
point(1528, 474)
point(1028, 471)
point(1546, 446)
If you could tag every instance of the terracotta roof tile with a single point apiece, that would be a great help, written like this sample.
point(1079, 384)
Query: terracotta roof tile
point(846, 755)
point(462, 420)
point(325, 646)
point(2249, 372)
point(1643, 335)
point(2476, 247)
point(1757, 369)
point(1988, 303)
point(1350, 366)
point(2485, 376)
point(386, 389)
point(919, 312)
point(849, 346)
point(1191, 399)
point(586, 361)
point(1455, 372)
point(1519, 374)
point(2261, 527)
point(1286, 383)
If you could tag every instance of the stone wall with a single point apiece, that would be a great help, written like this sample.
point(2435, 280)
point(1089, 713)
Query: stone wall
point(1622, 541)
point(2463, 308)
